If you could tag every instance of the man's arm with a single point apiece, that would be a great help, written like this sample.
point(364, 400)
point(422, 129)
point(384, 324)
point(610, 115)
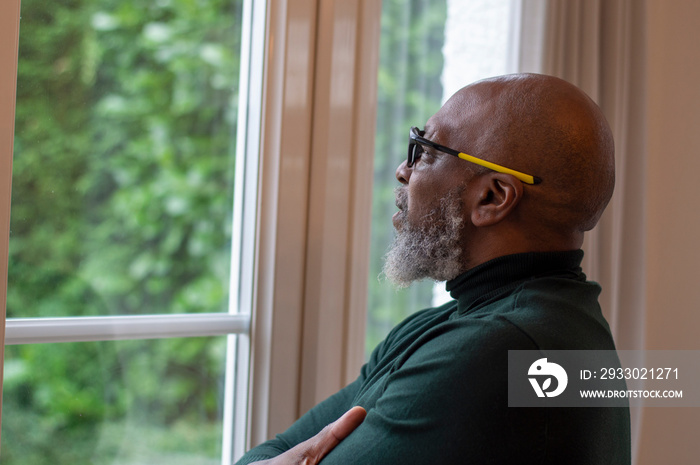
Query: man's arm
point(430, 407)
point(307, 426)
point(322, 414)
point(313, 450)
point(446, 402)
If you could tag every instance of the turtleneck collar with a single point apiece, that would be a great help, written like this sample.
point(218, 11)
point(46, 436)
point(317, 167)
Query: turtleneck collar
point(507, 272)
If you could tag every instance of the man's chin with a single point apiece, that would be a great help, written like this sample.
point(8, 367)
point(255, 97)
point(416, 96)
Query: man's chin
point(429, 251)
point(398, 263)
point(403, 278)
point(408, 260)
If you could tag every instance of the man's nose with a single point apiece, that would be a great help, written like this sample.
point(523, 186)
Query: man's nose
point(403, 172)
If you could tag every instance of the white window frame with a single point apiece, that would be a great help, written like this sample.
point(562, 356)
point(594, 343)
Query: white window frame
point(317, 149)
point(308, 242)
point(235, 323)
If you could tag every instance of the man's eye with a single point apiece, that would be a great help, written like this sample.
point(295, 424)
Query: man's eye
point(423, 153)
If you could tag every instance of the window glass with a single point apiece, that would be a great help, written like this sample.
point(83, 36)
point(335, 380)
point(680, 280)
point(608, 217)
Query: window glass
point(124, 157)
point(409, 92)
point(429, 50)
point(128, 402)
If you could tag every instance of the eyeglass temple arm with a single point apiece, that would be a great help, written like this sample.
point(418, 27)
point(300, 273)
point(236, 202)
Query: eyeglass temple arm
point(526, 178)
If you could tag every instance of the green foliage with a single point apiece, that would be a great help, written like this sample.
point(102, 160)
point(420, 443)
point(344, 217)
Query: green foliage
point(122, 195)
point(123, 171)
point(113, 403)
point(409, 92)
point(122, 200)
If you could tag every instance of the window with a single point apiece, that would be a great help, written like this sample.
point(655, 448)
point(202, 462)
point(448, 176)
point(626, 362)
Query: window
point(429, 50)
point(313, 65)
point(129, 258)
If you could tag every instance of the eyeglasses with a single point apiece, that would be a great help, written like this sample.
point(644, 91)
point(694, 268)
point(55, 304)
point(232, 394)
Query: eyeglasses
point(416, 141)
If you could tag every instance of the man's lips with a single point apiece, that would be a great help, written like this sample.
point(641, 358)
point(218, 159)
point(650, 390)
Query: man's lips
point(396, 219)
point(399, 217)
point(402, 204)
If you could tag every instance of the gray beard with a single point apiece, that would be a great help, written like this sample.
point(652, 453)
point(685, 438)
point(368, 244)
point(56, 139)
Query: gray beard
point(431, 250)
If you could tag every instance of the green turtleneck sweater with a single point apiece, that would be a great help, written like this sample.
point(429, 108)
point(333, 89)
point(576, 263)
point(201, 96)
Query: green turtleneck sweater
point(436, 388)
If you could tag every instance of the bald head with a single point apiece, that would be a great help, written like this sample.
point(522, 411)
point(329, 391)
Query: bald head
point(543, 126)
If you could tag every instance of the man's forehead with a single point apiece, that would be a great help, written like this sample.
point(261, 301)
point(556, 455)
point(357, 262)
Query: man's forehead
point(440, 124)
point(441, 130)
point(468, 107)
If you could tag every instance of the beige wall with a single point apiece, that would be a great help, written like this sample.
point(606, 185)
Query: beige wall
point(673, 214)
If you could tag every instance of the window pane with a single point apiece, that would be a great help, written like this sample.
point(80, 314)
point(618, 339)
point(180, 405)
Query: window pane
point(429, 50)
point(124, 157)
point(410, 91)
point(128, 402)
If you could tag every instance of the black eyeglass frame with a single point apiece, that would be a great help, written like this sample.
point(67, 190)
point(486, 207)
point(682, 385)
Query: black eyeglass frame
point(416, 140)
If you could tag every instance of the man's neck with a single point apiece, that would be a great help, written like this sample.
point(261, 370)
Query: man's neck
point(490, 246)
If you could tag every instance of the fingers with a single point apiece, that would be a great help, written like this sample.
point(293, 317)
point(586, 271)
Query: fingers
point(346, 424)
point(314, 449)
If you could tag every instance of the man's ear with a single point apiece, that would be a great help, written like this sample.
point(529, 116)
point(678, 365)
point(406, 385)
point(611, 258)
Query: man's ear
point(497, 194)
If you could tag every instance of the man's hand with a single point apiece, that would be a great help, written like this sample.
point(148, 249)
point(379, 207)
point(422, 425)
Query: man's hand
point(311, 451)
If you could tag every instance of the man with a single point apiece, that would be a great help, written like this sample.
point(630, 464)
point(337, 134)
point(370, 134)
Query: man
point(506, 235)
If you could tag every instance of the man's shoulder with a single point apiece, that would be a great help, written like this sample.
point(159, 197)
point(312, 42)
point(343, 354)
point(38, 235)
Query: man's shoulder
point(462, 338)
point(434, 333)
point(553, 313)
